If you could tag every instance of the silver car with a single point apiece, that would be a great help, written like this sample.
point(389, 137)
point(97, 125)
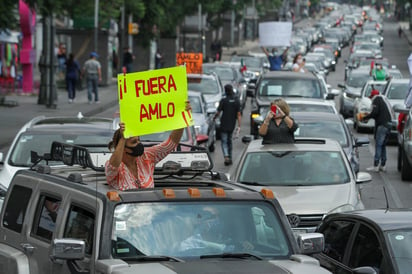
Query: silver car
point(311, 178)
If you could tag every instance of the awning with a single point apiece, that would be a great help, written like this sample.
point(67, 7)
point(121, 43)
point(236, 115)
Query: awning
point(9, 36)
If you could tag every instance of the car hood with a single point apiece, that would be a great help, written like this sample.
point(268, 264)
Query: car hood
point(353, 90)
point(210, 98)
point(297, 264)
point(311, 199)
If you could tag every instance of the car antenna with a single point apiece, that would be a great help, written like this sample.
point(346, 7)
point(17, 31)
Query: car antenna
point(386, 198)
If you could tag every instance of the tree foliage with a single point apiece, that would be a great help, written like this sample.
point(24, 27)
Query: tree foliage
point(8, 14)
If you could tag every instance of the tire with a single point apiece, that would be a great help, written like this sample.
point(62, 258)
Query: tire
point(406, 170)
point(399, 164)
point(212, 147)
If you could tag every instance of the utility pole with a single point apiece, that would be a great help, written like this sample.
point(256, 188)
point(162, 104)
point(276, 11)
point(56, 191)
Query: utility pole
point(96, 24)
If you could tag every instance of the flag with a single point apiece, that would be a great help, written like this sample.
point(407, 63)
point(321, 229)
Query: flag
point(242, 66)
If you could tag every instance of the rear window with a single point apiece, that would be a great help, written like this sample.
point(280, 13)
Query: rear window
point(309, 88)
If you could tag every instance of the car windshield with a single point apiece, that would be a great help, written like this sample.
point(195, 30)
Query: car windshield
point(380, 87)
point(204, 85)
point(249, 61)
point(290, 88)
point(225, 73)
point(398, 91)
point(323, 129)
point(400, 242)
point(357, 81)
point(311, 108)
point(194, 229)
point(161, 136)
point(294, 168)
point(41, 143)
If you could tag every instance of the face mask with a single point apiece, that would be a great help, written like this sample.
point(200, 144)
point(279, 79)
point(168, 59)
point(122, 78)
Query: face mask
point(136, 150)
point(299, 61)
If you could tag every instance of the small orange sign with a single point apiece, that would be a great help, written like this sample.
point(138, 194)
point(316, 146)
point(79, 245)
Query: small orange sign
point(193, 61)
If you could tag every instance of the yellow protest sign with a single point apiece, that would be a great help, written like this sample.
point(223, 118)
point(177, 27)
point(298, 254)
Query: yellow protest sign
point(153, 101)
point(193, 61)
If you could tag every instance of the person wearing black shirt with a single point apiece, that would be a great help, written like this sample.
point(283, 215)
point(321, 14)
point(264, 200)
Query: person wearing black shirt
point(382, 113)
point(230, 108)
point(127, 59)
point(278, 127)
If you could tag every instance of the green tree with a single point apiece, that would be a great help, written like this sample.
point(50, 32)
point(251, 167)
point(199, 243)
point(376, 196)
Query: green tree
point(9, 14)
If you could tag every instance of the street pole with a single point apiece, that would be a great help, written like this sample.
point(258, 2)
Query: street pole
point(96, 23)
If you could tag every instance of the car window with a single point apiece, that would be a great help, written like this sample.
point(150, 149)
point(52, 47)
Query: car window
point(41, 142)
point(195, 104)
point(46, 216)
point(15, 211)
point(204, 85)
point(400, 243)
point(196, 229)
point(366, 250)
point(80, 225)
point(398, 91)
point(323, 129)
point(225, 73)
point(294, 168)
point(290, 88)
point(337, 234)
point(357, 81)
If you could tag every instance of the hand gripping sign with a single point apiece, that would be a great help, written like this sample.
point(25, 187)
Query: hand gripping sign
point(153, 101)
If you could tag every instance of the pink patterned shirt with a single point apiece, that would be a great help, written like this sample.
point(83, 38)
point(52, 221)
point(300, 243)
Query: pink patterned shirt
point(121, 178)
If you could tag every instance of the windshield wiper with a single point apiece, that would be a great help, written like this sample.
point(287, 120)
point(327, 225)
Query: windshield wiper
point(251, 183)
point(232, 255)
point(155, 258)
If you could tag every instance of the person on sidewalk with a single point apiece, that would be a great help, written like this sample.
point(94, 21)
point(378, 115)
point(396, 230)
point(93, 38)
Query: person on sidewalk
point(278, 126)
point(131, 165)
point(92, 69)
point(275, 60)
point(229, 106)
point(128, 59)
point(72, 75)
point(382, 113)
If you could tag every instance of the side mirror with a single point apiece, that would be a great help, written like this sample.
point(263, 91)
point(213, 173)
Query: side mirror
point(340, 85)
point(311, 243)
point(400, 108)
point(1, 158)
point(364, 270)
point(361, 141)
point(363, 177)
point(210, 111)
point(247, 139)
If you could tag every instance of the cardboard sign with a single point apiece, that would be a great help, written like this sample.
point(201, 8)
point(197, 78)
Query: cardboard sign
point(193, 61)
point(153, 101)
point(275, 34)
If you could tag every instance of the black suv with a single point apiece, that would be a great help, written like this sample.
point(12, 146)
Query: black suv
point(285, 84)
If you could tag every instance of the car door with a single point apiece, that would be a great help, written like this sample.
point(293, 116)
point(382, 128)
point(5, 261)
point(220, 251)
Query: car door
point(338, 236)
point(368, 250)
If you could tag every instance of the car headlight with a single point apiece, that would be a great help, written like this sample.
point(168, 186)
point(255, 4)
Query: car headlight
point(342, 208)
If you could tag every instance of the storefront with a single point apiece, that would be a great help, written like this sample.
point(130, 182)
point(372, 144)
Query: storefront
point(9, 59)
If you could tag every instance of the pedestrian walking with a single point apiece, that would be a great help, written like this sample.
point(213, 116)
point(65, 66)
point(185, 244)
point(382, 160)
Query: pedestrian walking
point(72, 76)
point(92, 70)
point(382, 113)
point(158, 59)
point(276, 60)
point(128, 58)
point(400, 32)
point(229, 106)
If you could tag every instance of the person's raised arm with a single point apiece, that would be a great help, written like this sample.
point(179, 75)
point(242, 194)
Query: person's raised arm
point(176, 134)
point(265, 51)
point(117, 156)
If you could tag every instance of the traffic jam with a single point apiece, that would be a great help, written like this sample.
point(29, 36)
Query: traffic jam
point(293, 155)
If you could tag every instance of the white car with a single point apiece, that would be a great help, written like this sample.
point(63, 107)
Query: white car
point(38, 134)
point(311, 178)
point(363, 104)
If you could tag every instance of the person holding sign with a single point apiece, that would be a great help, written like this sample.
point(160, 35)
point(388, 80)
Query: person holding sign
point(132, 165)
point(276, 61)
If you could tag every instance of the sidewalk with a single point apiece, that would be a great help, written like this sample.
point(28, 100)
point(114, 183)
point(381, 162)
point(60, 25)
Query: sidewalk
point(406, 32)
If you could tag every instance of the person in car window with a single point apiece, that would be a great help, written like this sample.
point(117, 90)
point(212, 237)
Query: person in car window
point(278, 126)
point(299, 63)
point(378, 72)
point(276, 60)
point(131, 165)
